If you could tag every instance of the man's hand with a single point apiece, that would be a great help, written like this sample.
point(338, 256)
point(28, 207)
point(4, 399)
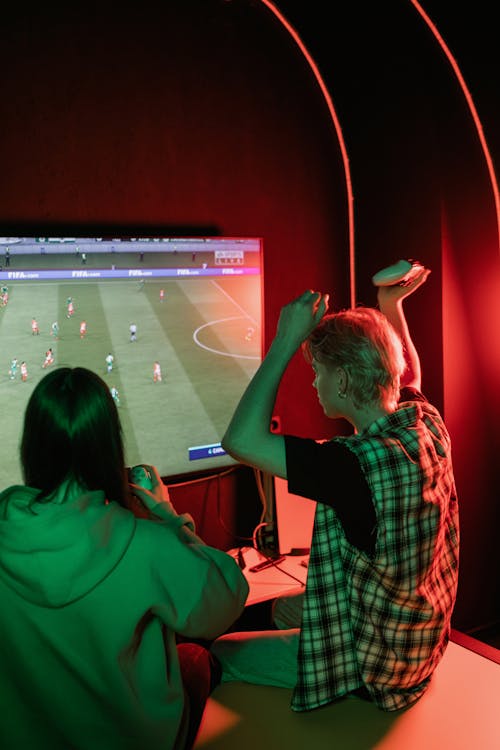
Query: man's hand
point(300, 317)
point(389, 295)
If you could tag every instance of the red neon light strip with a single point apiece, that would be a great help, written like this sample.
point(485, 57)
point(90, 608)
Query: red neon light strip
point(343, 149)
point(472, 108)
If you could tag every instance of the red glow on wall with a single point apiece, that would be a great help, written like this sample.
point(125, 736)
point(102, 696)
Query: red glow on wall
point(345, 159)
point(472, 108)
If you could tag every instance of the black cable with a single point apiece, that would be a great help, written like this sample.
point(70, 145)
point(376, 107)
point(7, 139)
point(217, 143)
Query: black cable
point(290, 575)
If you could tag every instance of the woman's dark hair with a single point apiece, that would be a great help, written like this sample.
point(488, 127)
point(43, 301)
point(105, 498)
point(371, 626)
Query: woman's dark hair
point(72, 431)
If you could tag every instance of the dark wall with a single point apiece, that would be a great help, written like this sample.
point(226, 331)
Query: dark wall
point(204, 113)
point(193, 113)
point(225, 505)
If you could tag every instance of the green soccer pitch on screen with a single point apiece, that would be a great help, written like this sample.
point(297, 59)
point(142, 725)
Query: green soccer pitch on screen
point(173, 325)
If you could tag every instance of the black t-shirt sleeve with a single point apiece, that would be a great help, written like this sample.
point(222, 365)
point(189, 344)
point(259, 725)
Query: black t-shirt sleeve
point(330, 473)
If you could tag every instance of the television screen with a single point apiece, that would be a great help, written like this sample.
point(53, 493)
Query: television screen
point(173, 325)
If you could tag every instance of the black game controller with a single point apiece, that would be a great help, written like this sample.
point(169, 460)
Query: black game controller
point(141, 476)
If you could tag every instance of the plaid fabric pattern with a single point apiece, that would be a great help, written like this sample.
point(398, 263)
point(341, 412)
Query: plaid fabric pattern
point(383, 622)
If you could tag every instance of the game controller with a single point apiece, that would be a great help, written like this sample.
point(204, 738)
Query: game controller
point(141, 476)
point(402, 273)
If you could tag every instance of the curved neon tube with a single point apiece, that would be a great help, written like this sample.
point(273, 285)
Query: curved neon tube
point(345, 159)
point(350, 200)
point(470, 104)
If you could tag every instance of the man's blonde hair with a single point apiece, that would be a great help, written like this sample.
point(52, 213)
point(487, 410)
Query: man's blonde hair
point(363, 342)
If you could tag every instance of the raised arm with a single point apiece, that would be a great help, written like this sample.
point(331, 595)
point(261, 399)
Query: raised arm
point(248, 437)
point(390, 299)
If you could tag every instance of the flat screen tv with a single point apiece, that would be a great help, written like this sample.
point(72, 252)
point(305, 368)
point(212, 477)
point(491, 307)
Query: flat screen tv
point(197, 308)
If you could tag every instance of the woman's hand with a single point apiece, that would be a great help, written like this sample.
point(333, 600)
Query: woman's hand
point(150, 490)
point(153, 502)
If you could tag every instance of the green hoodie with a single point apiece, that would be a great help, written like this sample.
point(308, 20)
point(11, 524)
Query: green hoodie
point(90, 601)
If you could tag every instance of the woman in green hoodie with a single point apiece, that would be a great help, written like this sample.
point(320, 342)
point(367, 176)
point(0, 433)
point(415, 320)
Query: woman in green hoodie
point(98, 578)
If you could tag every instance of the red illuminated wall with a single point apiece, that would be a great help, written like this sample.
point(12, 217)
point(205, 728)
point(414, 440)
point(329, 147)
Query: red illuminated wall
point(205, 113)
point(422, 185)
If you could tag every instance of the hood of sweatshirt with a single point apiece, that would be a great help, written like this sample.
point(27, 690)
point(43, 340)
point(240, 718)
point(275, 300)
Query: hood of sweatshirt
point(52, 553)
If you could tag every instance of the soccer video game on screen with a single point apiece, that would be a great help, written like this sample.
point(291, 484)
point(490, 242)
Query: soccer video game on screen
point(173, 326)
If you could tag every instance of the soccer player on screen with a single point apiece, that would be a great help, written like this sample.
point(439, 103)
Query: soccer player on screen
point(83, 329)
point(109, 362)
point(13, 369)
point(249, 334)
point(34, 328)
point(54, 330)
point(156, 372)
point(24, 371)
point(49, 358)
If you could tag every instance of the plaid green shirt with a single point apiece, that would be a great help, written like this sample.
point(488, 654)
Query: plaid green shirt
point(383, 621)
